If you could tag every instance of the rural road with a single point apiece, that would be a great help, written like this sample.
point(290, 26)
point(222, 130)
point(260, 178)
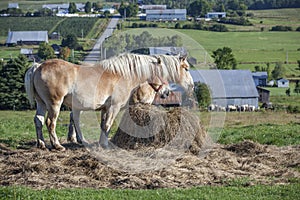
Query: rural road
point(94, 55)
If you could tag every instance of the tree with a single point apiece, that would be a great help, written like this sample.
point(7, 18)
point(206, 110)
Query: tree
point(298, 61)
point(65, 53)
point(45, 51)
point(12, 91)
point(198, 8)
point(224, 58)
point(130, 10)
point(202, 94)
point(297, 88)
point(288, 92)
point(278, 71)
point(72, 8)
point(71, 42)
point(88, 7)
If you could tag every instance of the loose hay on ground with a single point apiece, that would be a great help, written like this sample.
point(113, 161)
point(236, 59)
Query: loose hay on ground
point(77, 168)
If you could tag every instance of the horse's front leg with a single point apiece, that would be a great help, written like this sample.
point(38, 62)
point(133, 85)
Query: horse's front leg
point(107, 119)
point(76, 120)
point(72, 133)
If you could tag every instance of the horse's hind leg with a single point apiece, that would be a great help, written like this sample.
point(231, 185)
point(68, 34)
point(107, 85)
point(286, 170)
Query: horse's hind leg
point(39, 119)
point(106, 123)
point(53, 112)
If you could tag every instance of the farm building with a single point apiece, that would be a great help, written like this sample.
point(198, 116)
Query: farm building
point(166, 15)
point(63, 8)
point(161, 50)
point(13, 5)
point(215, 15)
point(26, 37)
point(282, 83)
point(260, 78)
point(264, 95)
point(26, 52)
point(229, 87)
point(153, 7)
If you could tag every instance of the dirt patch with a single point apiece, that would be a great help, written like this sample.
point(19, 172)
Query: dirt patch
point(174, 152)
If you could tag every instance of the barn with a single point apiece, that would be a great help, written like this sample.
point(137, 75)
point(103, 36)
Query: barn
point(229, 87)
point(260, 78)
point(26, 37)
point(166, 15)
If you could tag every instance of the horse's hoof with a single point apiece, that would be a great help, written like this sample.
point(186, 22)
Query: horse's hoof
point(72, 140)
point(41, 145)
point(59, 148)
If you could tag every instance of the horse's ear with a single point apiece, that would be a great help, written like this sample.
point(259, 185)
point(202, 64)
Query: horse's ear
point(158, 60)
point(182, 58)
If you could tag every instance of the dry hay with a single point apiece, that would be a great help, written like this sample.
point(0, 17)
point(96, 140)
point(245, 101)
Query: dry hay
point(149, 126)
point(77, 168)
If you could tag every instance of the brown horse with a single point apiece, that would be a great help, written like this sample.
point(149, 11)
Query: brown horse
point(106, 86)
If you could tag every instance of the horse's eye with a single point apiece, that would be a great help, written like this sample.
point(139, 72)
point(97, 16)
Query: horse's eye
point(186, 69)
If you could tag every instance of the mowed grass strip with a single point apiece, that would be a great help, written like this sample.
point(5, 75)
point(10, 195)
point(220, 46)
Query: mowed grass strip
point(238, 191)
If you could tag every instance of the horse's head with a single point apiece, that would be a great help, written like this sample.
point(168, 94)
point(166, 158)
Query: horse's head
point(160, 86)
point(185, 78)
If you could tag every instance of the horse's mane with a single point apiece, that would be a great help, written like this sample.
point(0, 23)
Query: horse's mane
point(138, 66)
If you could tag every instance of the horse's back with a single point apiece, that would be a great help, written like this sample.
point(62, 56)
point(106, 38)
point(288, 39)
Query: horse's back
point(54, 79)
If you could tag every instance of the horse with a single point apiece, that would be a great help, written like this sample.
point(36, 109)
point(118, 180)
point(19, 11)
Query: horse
point(106, 86)
point(144, 94)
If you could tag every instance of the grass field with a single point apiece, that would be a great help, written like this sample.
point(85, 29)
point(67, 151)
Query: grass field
point(206, 192)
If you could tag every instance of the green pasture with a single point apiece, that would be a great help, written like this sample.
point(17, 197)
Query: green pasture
point(256, 47)
point(234, 191)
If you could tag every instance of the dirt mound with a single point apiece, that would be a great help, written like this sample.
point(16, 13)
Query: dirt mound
point(148, 126)
point(77, 167)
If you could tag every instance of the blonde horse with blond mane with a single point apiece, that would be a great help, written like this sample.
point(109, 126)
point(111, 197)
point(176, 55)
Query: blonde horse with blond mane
point(106, 86)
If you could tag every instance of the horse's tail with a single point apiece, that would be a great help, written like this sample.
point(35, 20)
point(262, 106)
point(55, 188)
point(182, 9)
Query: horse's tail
point(28, 82)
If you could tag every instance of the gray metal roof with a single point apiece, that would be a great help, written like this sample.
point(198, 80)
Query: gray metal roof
point(27, 36)
point(166, 11)
point(227, 83)
point(260, 74)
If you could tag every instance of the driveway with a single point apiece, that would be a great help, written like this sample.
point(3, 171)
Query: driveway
point(94, 55)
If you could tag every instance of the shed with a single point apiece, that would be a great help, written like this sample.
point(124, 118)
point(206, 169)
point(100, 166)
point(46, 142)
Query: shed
point(264, 95)
point(282, 83)
point(153, 7)
point(260, 78)
point(228, 87)
point(13, 5)
point(26, 52)
point(166, 15)
point(26, 37)
point(215, 15)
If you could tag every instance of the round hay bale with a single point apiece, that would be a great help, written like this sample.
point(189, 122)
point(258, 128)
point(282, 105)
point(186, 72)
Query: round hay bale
point(145, 126)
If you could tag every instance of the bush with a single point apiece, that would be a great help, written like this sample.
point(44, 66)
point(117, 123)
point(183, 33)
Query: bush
point(218, 28)
point(298, 29)
point(177, 26)
point(236, 21)
point(281, 28)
